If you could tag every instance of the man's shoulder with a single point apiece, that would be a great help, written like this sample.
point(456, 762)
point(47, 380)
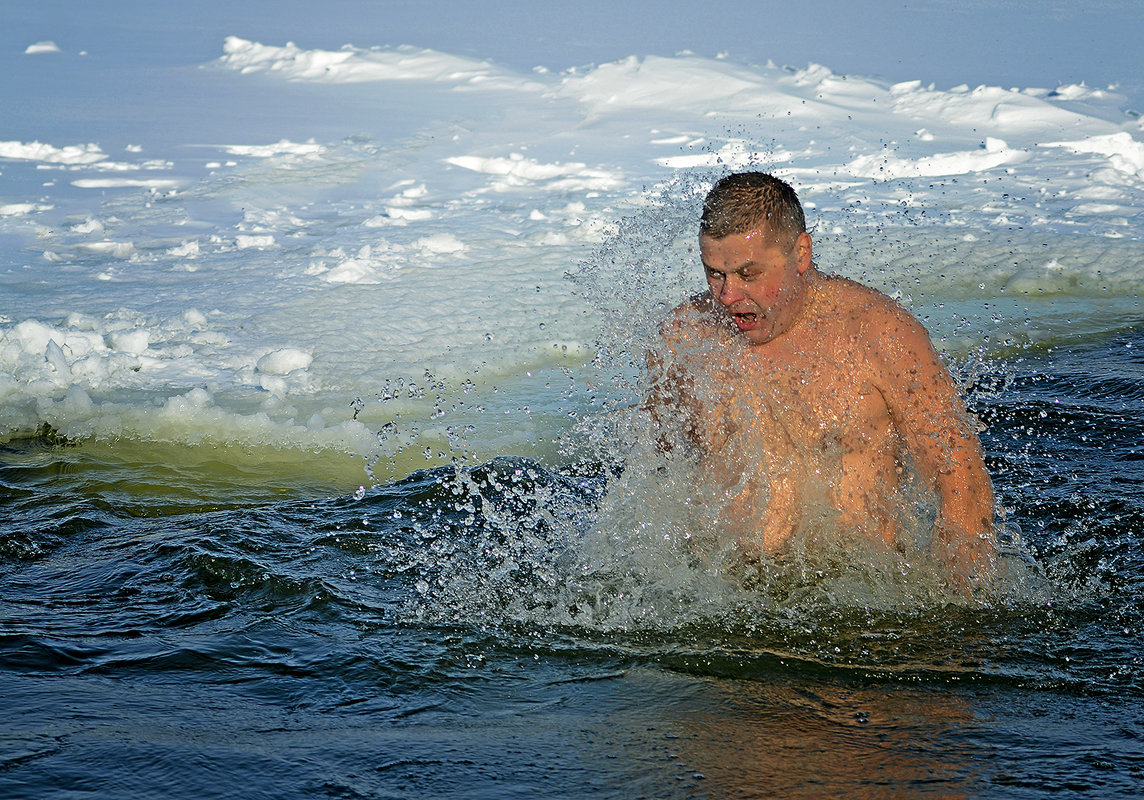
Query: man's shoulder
point(852, 293)
point(870, 309)
point(890, 337)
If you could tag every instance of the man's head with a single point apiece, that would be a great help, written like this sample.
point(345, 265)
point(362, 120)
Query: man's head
point(752, 201)
point(756, 254)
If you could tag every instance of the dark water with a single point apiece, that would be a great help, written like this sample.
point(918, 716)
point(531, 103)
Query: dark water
point(477, 634)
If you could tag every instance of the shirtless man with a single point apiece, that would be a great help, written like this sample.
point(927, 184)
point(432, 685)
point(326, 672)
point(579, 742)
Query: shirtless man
point(811, 397)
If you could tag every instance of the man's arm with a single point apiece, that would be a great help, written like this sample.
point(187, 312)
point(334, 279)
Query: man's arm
point(940, 436)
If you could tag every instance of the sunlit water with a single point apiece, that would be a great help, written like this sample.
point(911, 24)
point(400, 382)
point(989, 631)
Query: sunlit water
point(321, 476)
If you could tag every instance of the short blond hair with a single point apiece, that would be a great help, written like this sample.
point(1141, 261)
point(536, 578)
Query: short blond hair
point(747, 201)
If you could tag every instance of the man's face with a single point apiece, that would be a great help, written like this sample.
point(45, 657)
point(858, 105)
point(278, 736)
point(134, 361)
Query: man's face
point(758, 279)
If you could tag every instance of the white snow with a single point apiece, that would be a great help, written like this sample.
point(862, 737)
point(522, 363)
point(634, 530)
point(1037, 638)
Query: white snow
point(283, 362)
point(353, 65)
point(281, 147)
point(38, 151)
point(1124, 153)
point(38, 48)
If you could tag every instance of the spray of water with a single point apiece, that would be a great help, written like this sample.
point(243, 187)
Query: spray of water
point(622, 533)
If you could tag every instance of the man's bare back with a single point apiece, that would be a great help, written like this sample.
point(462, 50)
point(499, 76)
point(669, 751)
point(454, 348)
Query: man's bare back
point(810, 397)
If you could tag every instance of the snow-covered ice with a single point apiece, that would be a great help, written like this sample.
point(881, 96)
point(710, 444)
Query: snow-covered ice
point(341, 218)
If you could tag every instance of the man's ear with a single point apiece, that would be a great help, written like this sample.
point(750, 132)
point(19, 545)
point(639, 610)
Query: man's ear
point(804, 252)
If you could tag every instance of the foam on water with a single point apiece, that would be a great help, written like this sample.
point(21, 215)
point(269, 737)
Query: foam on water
point(513, 545)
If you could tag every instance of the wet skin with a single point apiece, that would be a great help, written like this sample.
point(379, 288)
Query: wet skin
point(805, 393)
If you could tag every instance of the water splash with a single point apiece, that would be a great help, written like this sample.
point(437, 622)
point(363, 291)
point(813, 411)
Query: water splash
point(611, 534)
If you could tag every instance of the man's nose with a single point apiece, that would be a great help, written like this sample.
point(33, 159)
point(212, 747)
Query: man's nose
point(730, 292)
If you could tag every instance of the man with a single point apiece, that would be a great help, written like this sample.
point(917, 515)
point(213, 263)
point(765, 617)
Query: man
point(814, 404)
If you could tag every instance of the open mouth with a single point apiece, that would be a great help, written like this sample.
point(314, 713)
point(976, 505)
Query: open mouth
point(745, 321)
